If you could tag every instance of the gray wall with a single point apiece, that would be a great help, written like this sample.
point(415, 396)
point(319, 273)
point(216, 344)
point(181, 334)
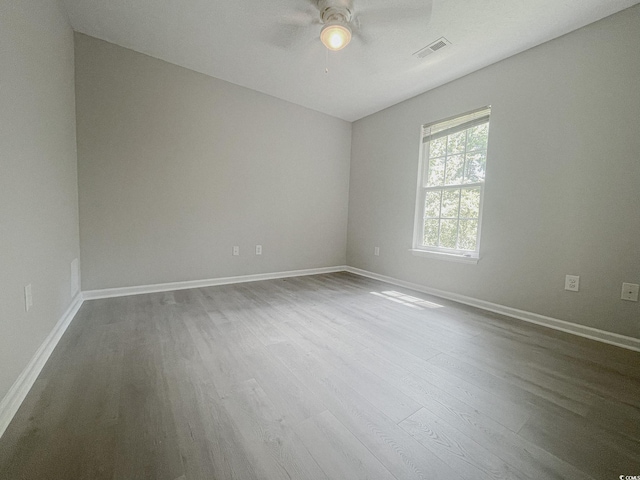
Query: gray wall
point(38, 183)
point(563, 179)
point(175, 168)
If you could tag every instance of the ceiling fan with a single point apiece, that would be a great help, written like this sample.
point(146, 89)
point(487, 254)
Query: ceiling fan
point(336, 19)
point(340, 20)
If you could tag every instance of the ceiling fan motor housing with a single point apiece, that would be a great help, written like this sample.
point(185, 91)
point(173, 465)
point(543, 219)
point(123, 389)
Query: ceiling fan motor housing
point(334, 11)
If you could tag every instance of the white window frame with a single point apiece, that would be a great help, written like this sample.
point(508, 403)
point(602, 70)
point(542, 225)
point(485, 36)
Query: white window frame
point(419, 249)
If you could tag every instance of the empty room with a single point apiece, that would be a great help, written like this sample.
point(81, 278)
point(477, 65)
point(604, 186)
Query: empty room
point(319, 239)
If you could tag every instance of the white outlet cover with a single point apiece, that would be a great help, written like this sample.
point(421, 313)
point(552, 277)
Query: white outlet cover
point(236, 251)
point(28, 297)
point(572, 283)
point(376, 251)
point(630, 291)
point(258, 249)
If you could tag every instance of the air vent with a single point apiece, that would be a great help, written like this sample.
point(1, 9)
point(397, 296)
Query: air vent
point(433, 47)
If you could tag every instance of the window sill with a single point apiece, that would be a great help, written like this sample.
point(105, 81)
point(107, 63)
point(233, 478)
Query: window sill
point(451, 257)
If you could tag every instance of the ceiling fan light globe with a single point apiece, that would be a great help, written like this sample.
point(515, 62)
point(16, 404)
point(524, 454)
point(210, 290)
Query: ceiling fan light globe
point(335, 36)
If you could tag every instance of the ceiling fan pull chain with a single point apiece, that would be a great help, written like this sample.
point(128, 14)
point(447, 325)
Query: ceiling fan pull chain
point(326, 62)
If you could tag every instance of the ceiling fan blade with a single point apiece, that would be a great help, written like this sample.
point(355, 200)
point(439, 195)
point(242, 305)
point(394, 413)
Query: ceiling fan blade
point(300, 18)
point(358, 33)
point(291, 26)
point(285, 35)
point(363, 38)
point(386, 15)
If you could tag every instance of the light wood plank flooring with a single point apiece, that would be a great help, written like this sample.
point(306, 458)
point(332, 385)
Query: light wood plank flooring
point(329, 376)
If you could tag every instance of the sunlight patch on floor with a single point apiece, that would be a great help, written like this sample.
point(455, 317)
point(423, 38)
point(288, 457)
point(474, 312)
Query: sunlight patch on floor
point(407, 300)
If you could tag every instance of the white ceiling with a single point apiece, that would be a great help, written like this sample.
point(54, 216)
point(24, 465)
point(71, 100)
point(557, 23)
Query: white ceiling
point(264, 45)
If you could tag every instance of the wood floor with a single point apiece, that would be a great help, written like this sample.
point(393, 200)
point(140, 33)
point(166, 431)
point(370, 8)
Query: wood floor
point(329, 376)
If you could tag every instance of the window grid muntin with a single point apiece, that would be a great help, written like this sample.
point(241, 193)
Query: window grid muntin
point(458, 186)
point(439, 218)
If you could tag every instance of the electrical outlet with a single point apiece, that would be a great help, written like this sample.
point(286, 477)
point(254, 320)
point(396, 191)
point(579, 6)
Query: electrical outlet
point(376, 251)
point(28, 298)
point(236, 251)
point(630, 291)
point(572, 283)
point(258, 249)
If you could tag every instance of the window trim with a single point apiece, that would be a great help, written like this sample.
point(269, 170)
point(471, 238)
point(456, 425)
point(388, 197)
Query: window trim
point(418, 249)
point(452, 257)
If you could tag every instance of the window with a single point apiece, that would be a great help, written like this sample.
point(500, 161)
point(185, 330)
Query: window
point(453, 158)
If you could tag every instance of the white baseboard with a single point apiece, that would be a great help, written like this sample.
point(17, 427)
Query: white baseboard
point(18, 391)
point(630, 343)
point(168, 287)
